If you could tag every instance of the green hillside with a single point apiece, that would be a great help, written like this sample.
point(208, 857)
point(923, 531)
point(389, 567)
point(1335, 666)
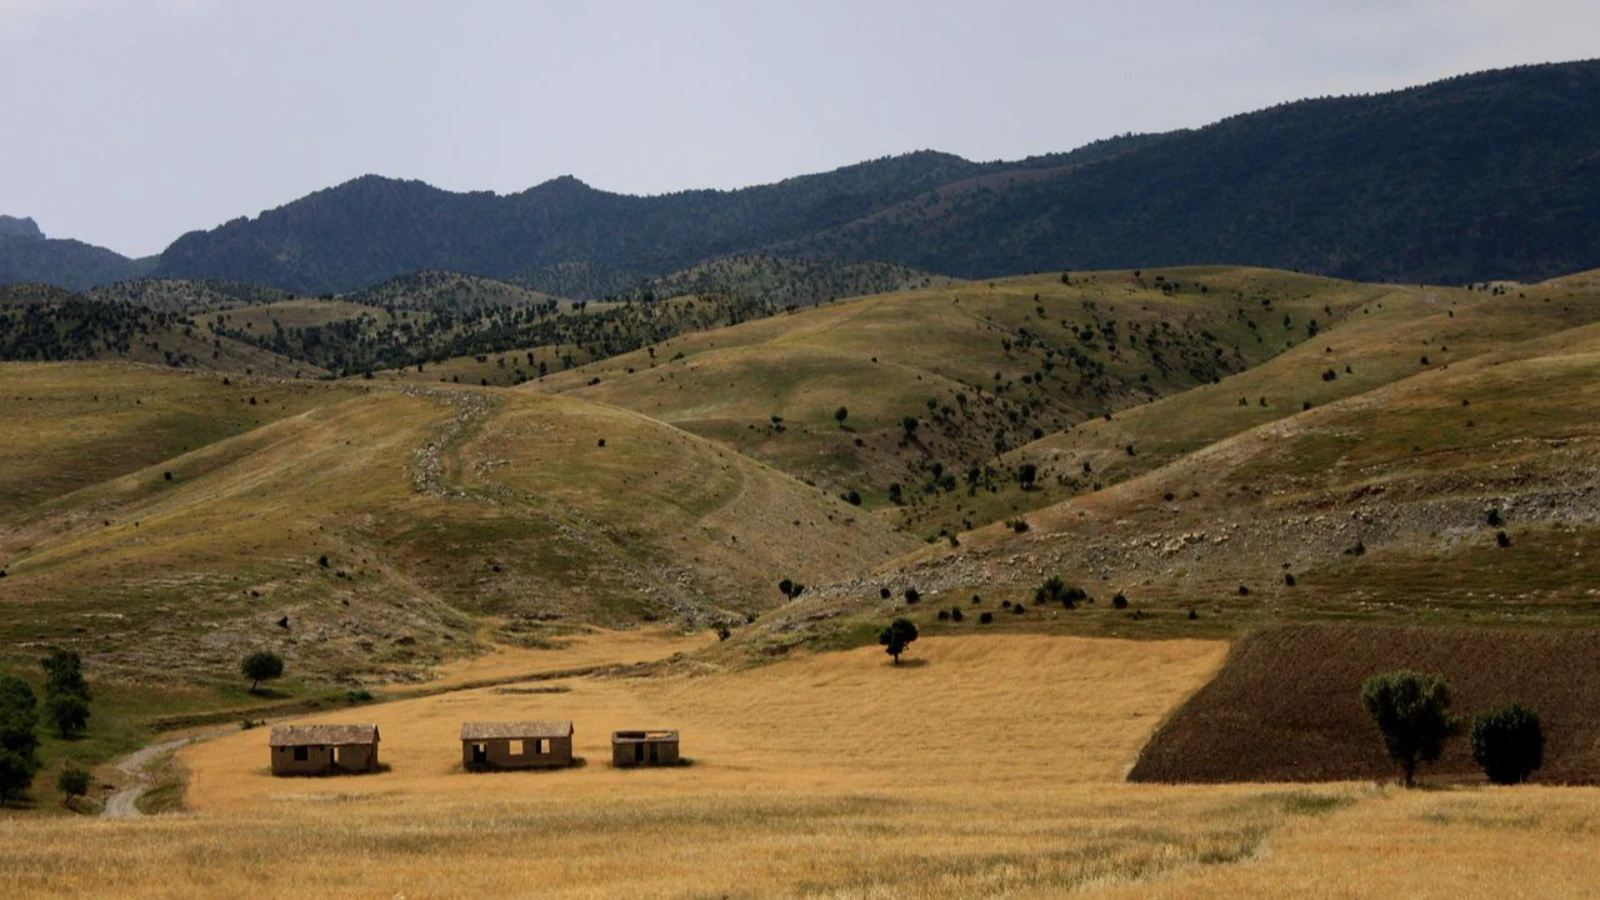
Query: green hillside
point(981, 367)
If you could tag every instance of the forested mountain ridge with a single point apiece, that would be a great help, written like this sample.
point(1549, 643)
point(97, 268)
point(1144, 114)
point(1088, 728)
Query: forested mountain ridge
point(1484, 176)
point(28, 256)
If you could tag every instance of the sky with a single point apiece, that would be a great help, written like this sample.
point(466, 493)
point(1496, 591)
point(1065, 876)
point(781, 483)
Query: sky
point(126, 123)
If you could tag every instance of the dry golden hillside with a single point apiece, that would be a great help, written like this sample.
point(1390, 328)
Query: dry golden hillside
point(368, 537)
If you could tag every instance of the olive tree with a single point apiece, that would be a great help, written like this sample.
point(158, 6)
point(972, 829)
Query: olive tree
point(261, 665)
point(898, 636)
point(1412, 711)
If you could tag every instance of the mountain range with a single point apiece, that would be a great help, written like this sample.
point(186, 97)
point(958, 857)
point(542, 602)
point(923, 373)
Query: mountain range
point(1488, 176)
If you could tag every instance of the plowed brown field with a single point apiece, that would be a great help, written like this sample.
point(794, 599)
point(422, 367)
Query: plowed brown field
point(1286, 707)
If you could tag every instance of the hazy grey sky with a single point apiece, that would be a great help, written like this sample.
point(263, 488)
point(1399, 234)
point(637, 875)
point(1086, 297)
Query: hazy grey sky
point(128, 122)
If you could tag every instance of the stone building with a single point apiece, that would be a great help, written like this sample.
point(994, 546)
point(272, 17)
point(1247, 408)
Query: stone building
point(324, 749)
point(516, 745)
point(644, 748)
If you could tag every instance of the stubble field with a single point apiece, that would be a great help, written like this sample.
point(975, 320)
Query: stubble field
point(984, 767)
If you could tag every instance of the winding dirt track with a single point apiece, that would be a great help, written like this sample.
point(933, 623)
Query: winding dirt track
point(124, 804)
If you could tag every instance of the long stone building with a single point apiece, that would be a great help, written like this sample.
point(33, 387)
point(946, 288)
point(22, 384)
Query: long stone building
point(324, 749)
point(516, 745)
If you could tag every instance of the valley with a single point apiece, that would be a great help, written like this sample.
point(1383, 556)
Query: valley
point(606, 543)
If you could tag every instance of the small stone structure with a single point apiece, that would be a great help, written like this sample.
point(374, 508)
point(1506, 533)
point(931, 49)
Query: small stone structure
point(324, 749)
point(644, 748)
point(516, 745)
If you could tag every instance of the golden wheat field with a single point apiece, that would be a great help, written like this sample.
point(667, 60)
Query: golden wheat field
point(984, 766)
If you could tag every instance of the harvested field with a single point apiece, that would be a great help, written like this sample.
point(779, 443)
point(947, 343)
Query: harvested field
point(1286, 707)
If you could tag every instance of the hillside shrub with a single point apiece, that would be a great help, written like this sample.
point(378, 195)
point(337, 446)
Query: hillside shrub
point(1018, 525)
point(1508, 743)
point(1412, 712)
point(259, 666)
point(956, 615)
point(1120, 601)
point(985, 618)
point(913, 596)
point(1027, 474)
point(1502, 539)
point(1054, 590)
point(73, 783)
point(1494, 519)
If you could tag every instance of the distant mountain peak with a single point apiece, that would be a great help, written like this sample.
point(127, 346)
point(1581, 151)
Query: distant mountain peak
point(25, 228)
point(562, 184)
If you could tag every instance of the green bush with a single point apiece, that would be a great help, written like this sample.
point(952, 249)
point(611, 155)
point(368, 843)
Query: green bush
point(73, 783)
point(1508, 743)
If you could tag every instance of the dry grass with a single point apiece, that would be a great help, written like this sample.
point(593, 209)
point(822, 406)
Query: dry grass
point(1011, 713)
point(992, 770)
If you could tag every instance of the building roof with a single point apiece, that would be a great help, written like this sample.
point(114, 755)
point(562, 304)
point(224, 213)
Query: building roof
point(478, 731)
point(323, 735)
point(641, 737)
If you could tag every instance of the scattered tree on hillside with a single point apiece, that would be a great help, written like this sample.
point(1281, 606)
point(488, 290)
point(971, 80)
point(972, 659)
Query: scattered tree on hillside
point(1027, 474)
point(1508, 743)
point(261, 665)
point(19, 742)
point(69, 713)
point(1412, 711)
point(1054, 590)
point(66, 693)
point(73, 783)
point(910, 423)
point(895, 638)
point(840, 415)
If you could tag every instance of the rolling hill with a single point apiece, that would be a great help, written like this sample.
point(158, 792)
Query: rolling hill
point(1463, 493)
point(370, 532)
point(1387, 187)
point(981, 367)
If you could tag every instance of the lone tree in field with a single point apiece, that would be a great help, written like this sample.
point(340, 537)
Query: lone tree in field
point(840, 415)
point(1508, 743)
point(897, 637)
point(1412, 711)
point(261, 665)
